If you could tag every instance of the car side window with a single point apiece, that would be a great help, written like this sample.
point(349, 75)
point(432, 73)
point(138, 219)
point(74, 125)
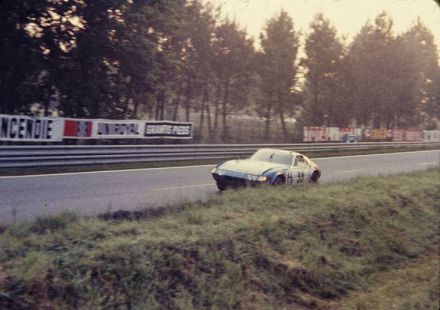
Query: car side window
point(307, 162)
point(300, 160)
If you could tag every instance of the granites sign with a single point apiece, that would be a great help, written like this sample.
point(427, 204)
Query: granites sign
point(168, 129)
point(46, 129)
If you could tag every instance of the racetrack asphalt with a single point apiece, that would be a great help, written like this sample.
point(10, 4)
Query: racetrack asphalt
point(23, 198)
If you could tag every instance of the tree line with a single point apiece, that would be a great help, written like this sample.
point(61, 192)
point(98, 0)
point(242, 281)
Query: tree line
point(173, 59)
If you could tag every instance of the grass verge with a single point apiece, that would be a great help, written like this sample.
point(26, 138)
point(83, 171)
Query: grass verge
point(416, 286)
point(122, 166)
point(308, 247)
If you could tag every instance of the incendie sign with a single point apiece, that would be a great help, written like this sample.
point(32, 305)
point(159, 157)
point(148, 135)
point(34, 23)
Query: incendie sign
point(30, 129)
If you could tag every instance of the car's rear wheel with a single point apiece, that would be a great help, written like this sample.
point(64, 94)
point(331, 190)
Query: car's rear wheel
point(315, 177)
point(221, 186)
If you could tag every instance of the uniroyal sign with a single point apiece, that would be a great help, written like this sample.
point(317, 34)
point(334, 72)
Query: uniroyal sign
point(46, 129)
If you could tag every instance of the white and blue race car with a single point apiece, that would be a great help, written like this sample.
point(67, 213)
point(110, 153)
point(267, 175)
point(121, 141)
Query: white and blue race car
point(270, 166)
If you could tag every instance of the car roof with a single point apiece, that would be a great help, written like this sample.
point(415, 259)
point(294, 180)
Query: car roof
point(280, 151)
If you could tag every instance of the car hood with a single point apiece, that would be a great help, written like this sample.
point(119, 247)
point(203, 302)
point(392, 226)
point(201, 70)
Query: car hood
point(248, 166)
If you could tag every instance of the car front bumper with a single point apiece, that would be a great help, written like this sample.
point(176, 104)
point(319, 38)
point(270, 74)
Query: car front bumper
point(234, 181)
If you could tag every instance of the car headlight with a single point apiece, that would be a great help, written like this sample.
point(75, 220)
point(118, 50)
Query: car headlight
point(218, 171)
point(257, 178)
point(251, 177)
point(261, 178)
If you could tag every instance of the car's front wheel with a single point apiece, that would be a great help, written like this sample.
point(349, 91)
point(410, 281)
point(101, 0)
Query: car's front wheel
point(221, 186)
point(279, 181)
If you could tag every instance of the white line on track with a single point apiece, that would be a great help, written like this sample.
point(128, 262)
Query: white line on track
point(349, 171)
point(185, 167)
point(428, 163)
point(182, 187)
point(100, 171)
point(370, 155)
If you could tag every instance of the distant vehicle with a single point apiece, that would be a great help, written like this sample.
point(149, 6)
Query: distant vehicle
point(350, 138)
point(269, 166)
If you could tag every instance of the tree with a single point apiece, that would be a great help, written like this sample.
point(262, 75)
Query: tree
point(325, 102)
point(201, 24)
point(393, 77)
point(421, 50)
point(135, 41)
point(21, 61)
point(375, 70)
point(232, 62)
point(277, 69)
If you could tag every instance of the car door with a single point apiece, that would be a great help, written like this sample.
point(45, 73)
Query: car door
point(302, 168)
point(297, 172)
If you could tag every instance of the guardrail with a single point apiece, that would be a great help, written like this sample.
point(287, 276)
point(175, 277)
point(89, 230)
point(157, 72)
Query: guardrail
point(62, 155)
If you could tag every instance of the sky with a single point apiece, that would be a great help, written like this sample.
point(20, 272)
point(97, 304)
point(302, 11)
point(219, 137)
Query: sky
point(348, 16)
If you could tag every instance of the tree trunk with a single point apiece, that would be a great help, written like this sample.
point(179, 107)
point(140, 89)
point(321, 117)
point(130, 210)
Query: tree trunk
point(162, 104)
point(202, 118)
point(216, 112)
point(283, 124)
point(176, 107)
point(268, 120)
point(225, 111)
point(46, 107)
point(156, 108)
point(315, 103)
point(202, 112)
point(188, 98)
point(268, 115)
point(135, 108)
point(208, 114)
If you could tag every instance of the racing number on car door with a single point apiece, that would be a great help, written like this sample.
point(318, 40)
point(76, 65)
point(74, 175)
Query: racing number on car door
point(289, 177)
point(300, 177)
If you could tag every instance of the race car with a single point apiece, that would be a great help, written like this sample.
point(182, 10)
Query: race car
point(269, 166)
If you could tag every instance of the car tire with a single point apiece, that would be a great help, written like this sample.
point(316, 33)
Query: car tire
point(315, 177)
point(279, 181)
point(221, 186)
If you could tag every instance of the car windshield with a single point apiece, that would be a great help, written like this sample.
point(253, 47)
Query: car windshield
point(273, 156)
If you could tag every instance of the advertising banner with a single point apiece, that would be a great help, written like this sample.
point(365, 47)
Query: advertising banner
point(350, 131)
point(164, 129)
point(315, 134)
point(117, 129)
point(125, 129)
point(30, 129)
point(414, 135)
point(52, 129)
point(399, 135)
point(328, 134)
point(78, 128)
point(378, 134)
point(431, 135)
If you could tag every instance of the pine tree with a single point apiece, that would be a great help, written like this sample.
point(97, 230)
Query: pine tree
point(325, 100)
point(277, 69)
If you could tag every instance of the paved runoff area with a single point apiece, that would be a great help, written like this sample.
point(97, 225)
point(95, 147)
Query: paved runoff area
point(24, 198)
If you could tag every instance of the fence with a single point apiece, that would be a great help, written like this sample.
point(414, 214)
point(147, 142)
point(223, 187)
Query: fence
point(61, 155)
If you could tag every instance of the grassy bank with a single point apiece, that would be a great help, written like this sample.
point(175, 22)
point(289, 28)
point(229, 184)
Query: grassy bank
point(120, 166)
point(309, 247)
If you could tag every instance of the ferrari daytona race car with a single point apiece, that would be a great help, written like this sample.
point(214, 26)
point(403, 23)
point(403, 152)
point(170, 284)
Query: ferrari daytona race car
point(270, 166)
